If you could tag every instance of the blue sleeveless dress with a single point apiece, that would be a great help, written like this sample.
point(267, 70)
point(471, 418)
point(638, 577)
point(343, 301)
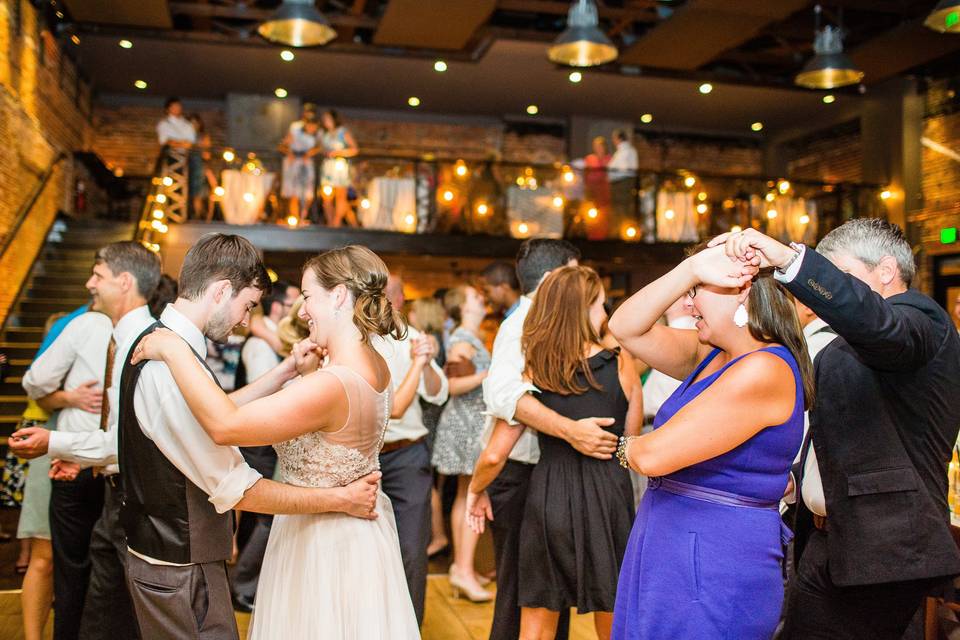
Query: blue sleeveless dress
point(704, 557)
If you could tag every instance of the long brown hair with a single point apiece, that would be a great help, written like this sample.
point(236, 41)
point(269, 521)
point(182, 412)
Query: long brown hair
point(557, 331)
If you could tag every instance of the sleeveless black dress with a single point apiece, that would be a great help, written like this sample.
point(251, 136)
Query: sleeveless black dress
point(579, 509)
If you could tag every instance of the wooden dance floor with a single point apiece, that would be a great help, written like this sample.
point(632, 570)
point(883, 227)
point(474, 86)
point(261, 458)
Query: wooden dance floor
point(447, 618)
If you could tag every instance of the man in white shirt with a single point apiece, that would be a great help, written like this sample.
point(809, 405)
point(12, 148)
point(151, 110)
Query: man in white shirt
point(75, 361)
point(175, 130)
point(180, 487)
point(124, 277)
point(507, 397)
point(622, 173)
point(405, 457)
point(257, 358)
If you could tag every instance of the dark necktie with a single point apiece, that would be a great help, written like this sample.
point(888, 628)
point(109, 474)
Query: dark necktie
point(107, 381)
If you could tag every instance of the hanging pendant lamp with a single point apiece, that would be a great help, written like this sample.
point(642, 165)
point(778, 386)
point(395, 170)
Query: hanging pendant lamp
point(945, 17)
point(582, 44)
point(830, 67)
point(297, 23)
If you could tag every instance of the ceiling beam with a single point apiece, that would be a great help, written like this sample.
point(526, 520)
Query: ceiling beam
point(562, 8)
point(435, 24)
point(901, 49)
point(245, 12)
point(143, 13)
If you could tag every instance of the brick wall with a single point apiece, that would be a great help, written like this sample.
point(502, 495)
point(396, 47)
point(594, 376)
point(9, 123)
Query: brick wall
point(831, 156)
point(718, 157)
point(940, 180)
point(44, 109)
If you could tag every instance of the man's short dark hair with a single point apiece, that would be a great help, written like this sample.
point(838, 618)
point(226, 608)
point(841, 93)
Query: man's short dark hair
point(619, 134)
point(540, 255)
point(169, 101)
point(218, 256)
point(277, 293)
point(497, 273)
point(135, 259)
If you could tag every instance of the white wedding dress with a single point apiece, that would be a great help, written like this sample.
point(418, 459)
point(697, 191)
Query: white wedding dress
point(330, 575)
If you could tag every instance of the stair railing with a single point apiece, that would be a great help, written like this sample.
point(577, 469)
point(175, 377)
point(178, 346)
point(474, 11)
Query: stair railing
point(167, 196)
point(24, 211)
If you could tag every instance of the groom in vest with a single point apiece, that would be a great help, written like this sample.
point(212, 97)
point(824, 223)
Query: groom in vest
point(179, 487)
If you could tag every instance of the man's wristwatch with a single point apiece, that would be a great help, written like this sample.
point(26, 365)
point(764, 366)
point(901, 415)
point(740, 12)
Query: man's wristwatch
point(797, 248)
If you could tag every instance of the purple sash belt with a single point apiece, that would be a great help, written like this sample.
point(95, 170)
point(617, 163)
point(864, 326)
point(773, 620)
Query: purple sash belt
point(716, 496)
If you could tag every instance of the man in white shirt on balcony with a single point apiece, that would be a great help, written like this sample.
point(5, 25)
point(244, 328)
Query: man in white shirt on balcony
point(622, 173)
point(405, 458)
point(175, 130)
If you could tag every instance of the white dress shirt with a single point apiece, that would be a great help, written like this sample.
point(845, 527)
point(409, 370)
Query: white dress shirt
point(659, 386)
point(397, 354)
point(78, 355)
point(624, 162)
point(505, 385)
point(164, 417)
point(98, 447)
point(257, 355)
point(812, 489)
point(176, 128)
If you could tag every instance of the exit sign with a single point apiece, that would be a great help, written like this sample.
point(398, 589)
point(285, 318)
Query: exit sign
point(948, 235)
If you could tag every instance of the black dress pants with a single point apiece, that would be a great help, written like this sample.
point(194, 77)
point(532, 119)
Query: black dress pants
point(407, 481)
point(508, 497)
point(817, 609)
point(75, 507)
point(108, 610)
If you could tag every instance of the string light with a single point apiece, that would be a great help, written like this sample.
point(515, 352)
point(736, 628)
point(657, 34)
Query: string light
point(160, 197)
point(413, 101)
point(886, 194)
point(829, 99)
point(568, 175)
point(410, 219)
point(706, 88)
point(167, 181)
point(701, 208)
point(125, 44)
point(689, 181)
point(630, 232)
point(646, 118)
point(140, 84)
point(736, 229)
point(783, 186)
point(482, 209)
point(771, 214)
point(460, 169)
point(248, 197)
point(365, 203)
point(756, 126)
point(702, 196)
point(219, 191)
point(533, 109)
point(327, 191)
point(448, 196)
point(669, 214)
point(804, 219)
point(770, 197)
point(557, 202)
point(158, 214)
point(523, 228)
point(292, 221)
point(229, 156)
point(280, 92)
point(75, 39)
point(592, 213)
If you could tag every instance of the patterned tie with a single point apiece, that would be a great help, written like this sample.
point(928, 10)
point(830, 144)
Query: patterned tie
point(107, 381)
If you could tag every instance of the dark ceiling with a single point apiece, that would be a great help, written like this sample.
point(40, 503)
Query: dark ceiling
point(749, 49)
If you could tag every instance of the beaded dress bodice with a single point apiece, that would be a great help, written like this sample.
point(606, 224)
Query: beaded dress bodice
point(337, 458)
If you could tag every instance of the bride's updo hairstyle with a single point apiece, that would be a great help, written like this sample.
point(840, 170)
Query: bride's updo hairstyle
point(364, 275)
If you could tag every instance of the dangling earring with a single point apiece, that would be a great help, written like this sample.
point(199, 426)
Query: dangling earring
point(740, 318)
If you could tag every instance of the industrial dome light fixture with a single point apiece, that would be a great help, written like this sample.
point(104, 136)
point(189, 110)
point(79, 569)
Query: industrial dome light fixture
point(830, 67)
point(297, 23)
point(945, 17)
point(582, 44)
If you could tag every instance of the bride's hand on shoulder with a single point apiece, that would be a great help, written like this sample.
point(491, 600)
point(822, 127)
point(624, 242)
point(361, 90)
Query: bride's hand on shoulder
point(360, 496)
point(307, 356)
point(162, 344)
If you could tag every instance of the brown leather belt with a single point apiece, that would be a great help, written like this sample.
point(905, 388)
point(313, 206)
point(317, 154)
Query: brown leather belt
point(399, 444)
point(820, 522)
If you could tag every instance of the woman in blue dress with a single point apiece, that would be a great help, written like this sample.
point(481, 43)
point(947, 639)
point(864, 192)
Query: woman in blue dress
point(704, 557)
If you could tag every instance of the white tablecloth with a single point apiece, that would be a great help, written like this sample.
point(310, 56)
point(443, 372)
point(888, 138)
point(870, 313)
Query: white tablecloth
point(534, 209)
point(391, 201)
point(244, 195)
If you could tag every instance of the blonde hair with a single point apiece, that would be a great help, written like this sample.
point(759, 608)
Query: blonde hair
point(429, 313)
point(292, 329)
point(364, 275)
point(453, 301)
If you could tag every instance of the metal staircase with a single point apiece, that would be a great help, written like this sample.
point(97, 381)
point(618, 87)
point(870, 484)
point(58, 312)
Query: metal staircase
point(54, 284)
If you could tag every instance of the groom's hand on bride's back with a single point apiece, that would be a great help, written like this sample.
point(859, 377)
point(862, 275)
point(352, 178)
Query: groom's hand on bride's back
point(360, 496)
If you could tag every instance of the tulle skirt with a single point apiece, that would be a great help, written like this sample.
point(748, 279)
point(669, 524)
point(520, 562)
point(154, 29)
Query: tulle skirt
point(335, 577)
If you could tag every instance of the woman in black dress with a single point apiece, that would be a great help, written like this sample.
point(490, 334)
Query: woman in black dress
point(579, 509)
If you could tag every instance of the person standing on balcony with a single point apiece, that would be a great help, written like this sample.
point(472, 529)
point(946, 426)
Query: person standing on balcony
point(596, 186)
point(175, 130)
point(201, 178)
point(338, 146)
point(623, 176)
point(299, 173)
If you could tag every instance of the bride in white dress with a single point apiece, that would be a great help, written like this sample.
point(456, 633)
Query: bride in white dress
point(327, 575)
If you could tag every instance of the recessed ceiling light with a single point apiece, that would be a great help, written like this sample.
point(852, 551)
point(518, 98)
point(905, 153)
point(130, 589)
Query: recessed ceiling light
point(575, 77)
point(829, 99)
point(287, 56)
point(439, 66)
point(533, 109)
point(706, 88)
point(646, 118)
point(125, 44)
point(140, 84)
point(756, 126)
point(280, 92)
point(413, 101)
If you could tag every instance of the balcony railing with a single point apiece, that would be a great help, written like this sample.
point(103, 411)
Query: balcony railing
point(427, 194)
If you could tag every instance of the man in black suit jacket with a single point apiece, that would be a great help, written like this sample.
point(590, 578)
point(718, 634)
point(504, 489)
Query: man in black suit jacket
point(883, 428)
